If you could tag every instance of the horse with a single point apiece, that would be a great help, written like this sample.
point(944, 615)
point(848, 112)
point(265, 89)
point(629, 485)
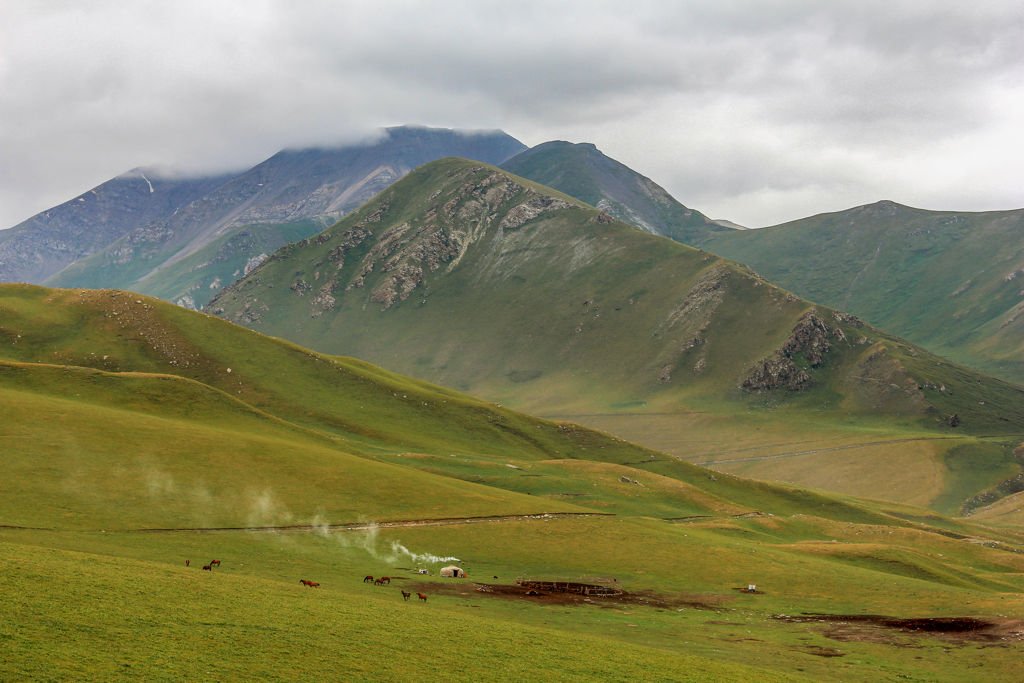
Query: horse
point(406, 596)
point(214, 563)
point(422, 597)
point(207, 568)
point(309, 584)
point(378, 582)
point(385, 580)
point(367, 579)
point(186, 563)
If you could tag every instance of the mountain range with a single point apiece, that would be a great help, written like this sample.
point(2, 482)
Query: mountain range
point(616, 370)
point(476, 279)
point(53, 239)
point(183, 239)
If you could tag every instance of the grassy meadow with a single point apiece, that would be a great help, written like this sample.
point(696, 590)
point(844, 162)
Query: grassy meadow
point(129, 447)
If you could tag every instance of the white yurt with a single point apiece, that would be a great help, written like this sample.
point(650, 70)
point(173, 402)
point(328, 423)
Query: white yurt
point(453, 572)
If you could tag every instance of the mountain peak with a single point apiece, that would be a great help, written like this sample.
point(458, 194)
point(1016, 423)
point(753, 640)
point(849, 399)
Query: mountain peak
point(582, 171)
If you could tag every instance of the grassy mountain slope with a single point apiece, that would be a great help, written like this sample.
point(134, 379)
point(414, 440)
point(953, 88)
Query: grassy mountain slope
point(474, 279)
point(582, 171)
point(294, 192)
point(946, 280)
point(121, 414)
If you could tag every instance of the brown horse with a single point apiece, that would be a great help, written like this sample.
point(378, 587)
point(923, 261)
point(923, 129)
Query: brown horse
point(384, 580)
point(422, 597)
point(406, 596)
point(367, 579)
point(214, 563)
point(309, 584)
point(207, 568)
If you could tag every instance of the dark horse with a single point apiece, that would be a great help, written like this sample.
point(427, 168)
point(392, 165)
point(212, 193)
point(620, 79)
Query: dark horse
point(367, 579)
point(406, 596)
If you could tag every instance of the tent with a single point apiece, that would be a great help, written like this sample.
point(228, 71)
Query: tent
point(453, 572)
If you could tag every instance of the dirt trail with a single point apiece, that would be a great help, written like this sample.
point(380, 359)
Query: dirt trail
point(362, 526)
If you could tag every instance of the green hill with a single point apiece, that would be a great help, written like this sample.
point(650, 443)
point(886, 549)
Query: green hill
point(582, 171)
point(946, 280)
point(485, 282)
point(137, 435)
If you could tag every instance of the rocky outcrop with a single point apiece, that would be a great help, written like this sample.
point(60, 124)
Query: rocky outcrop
point(529, 210)
point(810, 340)
point(776, 372)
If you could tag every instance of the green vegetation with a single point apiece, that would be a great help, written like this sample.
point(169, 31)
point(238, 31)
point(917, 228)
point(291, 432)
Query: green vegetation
point(946, 280)
point(491, 284)
point(130, 447)
point(192, 280)
point(583, 172)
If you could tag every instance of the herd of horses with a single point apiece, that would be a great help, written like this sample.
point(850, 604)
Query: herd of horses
point(206, 567)
point(381, 581)
point(386, 581)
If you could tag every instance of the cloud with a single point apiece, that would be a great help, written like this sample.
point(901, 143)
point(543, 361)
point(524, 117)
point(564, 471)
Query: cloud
point(754, 111)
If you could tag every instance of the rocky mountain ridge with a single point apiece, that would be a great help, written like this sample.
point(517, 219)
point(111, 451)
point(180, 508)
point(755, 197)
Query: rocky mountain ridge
point(185, 255)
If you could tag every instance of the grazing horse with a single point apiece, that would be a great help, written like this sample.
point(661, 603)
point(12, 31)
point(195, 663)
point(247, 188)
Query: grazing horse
point(422, 597)
point(406, 596)
point(214, 563)
point(385, 580)
point(309, 584)
point(207, 568)
point(367, 579)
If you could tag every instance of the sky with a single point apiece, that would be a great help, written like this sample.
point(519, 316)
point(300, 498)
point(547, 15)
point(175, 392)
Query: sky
point(758, 112)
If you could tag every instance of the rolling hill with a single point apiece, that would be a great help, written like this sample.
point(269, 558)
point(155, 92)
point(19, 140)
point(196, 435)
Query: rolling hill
point(187, 254)
point(948, 281)
point(476, 279)
point(138, 434)
point(582, 171)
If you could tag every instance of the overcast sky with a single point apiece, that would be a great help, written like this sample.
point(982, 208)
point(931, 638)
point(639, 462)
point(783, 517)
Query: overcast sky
point(759, 112)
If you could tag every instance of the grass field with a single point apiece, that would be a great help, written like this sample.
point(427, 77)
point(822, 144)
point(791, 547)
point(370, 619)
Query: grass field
point(128, 448)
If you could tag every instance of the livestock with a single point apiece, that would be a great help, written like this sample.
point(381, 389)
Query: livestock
point(367, 579)
point(309, 584)
point(406, 596)
point(207, 568)
point(422, 596)
point(384, 580)
point(186, 563)
point(214, 563)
